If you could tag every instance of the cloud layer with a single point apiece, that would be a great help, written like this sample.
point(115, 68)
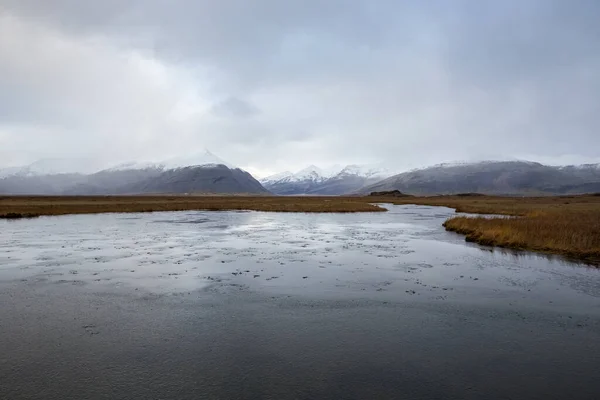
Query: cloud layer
point(272, 85)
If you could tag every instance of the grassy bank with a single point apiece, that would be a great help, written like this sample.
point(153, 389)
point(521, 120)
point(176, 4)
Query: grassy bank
point(568, 225)
point(31, 206)
point(573, 233)
point(565, 225)
point(514, 206)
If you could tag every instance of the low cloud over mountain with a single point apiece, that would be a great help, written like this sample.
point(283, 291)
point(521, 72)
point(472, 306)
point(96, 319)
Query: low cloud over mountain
point(494, 177)
point(204, 173)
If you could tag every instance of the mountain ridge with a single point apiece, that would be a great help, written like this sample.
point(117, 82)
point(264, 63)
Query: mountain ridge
point(209, 175)
point(493, 177)
point(200, 173)
point(57, 166)
point(332, 181)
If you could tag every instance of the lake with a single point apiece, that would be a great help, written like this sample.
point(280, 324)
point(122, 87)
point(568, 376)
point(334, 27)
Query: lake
point(252, 305)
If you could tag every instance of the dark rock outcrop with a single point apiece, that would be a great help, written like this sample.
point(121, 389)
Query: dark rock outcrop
point(389, 193)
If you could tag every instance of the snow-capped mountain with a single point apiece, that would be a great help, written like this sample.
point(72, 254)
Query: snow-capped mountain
point(200, 173)
point(330, 181)
point(276, 177)
point(311, 173)
point(56, 166)
point(295, 183)
point(199, 159)
point(493, 177)
point(51, 166)
point(205, 158)
point(582, 167)
point(367, 171)
point(488, 176)
point(136, 165)
point(10, 171)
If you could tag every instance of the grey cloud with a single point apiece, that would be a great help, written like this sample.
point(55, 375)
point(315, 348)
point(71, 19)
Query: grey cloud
point(233, 107)
point(277, 84)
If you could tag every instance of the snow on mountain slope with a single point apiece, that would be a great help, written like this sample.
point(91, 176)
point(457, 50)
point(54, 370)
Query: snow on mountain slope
point(470, 163)
point(310, 173)
point(333, 180)
point(134, 165)
point(276, 177)
point(205, 158)
point(315, 174)
point(199, 159)
point(51, 166)
point(55, 166)
point(367, 171)
point(582, 166)
point(10, 171)
point(491, 177)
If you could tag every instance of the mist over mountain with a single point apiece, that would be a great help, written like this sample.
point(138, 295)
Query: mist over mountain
point(494, 177)
point(201, 173)
point(207, 173)
point(206, 179)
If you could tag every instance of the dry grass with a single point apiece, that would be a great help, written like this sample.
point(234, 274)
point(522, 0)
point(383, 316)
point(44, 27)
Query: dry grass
point(568, 232)
point(31, 206)
point(515, 206)
point(567, 225)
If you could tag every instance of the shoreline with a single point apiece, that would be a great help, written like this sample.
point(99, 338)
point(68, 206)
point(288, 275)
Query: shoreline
point(563, 225)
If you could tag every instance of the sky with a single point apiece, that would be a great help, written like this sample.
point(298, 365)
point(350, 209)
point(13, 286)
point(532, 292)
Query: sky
point(272, 85)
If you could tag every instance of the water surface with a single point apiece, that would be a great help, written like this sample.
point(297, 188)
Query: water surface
point(251, 305)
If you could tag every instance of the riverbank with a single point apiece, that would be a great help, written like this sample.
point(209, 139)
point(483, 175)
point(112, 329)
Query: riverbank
point(574, 234)
point(566, 225)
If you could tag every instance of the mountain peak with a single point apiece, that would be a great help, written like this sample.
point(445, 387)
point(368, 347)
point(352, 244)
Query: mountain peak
point(202, 158)
point(51, 166)
point(205, 157)
point(276, 177)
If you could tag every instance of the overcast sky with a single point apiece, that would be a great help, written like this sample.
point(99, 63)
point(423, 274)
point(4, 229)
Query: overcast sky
point(271, 85)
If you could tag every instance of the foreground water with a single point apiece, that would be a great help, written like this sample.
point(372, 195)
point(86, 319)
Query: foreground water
point(249, 305)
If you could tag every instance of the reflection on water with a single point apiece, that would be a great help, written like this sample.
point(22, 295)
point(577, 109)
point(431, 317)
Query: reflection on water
point(282, 305)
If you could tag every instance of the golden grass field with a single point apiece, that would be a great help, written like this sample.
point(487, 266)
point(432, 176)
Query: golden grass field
point(566, 225)
point(30, 206)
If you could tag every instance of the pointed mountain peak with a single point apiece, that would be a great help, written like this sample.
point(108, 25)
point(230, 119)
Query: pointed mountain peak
point(205, 157)
point(276, 177)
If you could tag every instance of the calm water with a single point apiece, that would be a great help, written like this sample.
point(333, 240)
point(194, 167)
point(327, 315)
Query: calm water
point(249, 305)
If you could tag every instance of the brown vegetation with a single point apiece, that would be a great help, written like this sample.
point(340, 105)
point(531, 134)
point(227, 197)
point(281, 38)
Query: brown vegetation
point(573, 233)
point(515, 206)
point(567, 225)
point(31, 206)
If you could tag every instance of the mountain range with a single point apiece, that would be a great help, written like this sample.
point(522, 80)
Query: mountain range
point(333, 181)
point(202, 173)
point(494, 177)
point(207, 173)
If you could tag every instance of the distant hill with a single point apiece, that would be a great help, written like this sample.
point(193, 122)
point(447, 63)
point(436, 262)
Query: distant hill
point(205, 173)
point(198, 179)
point(493, 177)
point(204, 179)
